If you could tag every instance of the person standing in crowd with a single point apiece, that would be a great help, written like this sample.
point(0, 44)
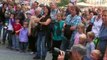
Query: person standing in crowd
point(23, 37)
point(71, 23)
point(90, 44)
point(10, 31)
point(19, 13)
point(34, 6)
point(80, 30)
point(28, 16)
point(90, 20)
point(32, 10)
point(97, 24)
point(17, 26)
point(43, 30)
point(9, 10)
point(33, 34)
point(68, 9)
point(57, 34)
point(38, 12)
point(1, 32)
point(2, 12)
point(103, 34)
point(54, 11)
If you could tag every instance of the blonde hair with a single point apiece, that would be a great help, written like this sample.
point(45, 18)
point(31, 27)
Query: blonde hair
point(82, 37)
point(91, 35)
point(97, 52)
point(82, 26)
point(33, 22)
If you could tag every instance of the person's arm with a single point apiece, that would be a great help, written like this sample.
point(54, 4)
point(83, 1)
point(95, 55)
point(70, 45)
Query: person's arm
point(78, 21)
point(19, 29)
point(46, 23)
point(29, 28)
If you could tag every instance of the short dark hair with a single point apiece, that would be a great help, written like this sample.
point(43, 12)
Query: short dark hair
point(77, 9)
point(104, 11)
point(36, 2)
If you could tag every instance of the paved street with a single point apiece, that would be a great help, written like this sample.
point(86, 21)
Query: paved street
point(6, 54)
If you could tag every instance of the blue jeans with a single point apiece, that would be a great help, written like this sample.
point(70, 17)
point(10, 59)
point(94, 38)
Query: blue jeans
point(23, 46)
point(65, 45)
point(41, 45)
point(9, 38)
point(4, 35)
point(15, 41)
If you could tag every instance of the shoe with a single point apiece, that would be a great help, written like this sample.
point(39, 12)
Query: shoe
point(32, 53)
point(36, 57)
point(43, 58)
point(17, 49)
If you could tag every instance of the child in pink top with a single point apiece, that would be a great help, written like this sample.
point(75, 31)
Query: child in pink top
point(80, 30)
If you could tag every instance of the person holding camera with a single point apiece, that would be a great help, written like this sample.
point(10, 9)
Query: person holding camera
point(77, 52)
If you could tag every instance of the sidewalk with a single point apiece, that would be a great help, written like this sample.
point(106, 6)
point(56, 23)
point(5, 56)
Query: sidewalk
point(6, 54)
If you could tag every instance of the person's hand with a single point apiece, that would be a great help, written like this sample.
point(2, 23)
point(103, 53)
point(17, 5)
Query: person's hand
point(29, 33)
point(72, 28)
point(37, 20)
point(61, 56)
point(16, 32)
point(43, 16)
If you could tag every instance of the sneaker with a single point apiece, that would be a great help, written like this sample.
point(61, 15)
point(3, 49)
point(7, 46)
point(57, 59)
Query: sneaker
point(32, 53)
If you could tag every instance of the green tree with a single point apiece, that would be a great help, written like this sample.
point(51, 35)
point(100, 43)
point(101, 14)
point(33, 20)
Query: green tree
point(63, 3)
point(81, 0)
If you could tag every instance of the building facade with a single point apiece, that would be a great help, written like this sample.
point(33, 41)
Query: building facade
point(98, 2)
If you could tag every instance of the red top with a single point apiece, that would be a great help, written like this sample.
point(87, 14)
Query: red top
point(17, 27)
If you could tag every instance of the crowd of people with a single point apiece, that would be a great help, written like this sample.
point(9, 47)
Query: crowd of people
point(40, 28)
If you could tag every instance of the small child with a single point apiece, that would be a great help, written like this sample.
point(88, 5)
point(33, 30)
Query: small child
point(23, 37)
point(80, 30)
point(17, 26)
point(95, 55)
point(82, 39)
point(90, 44)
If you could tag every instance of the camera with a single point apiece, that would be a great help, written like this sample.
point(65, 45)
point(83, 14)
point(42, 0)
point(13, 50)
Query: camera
point(67, 53)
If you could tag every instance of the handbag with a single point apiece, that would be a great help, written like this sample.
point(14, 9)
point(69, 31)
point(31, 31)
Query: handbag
point(67, 32)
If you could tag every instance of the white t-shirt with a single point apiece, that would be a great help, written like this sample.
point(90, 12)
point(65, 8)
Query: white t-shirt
point(96, 26)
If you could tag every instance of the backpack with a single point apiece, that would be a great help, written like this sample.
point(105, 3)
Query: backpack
point(96, 42)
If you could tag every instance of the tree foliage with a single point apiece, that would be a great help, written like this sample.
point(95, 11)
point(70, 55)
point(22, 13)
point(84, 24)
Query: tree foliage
point(63, 3)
